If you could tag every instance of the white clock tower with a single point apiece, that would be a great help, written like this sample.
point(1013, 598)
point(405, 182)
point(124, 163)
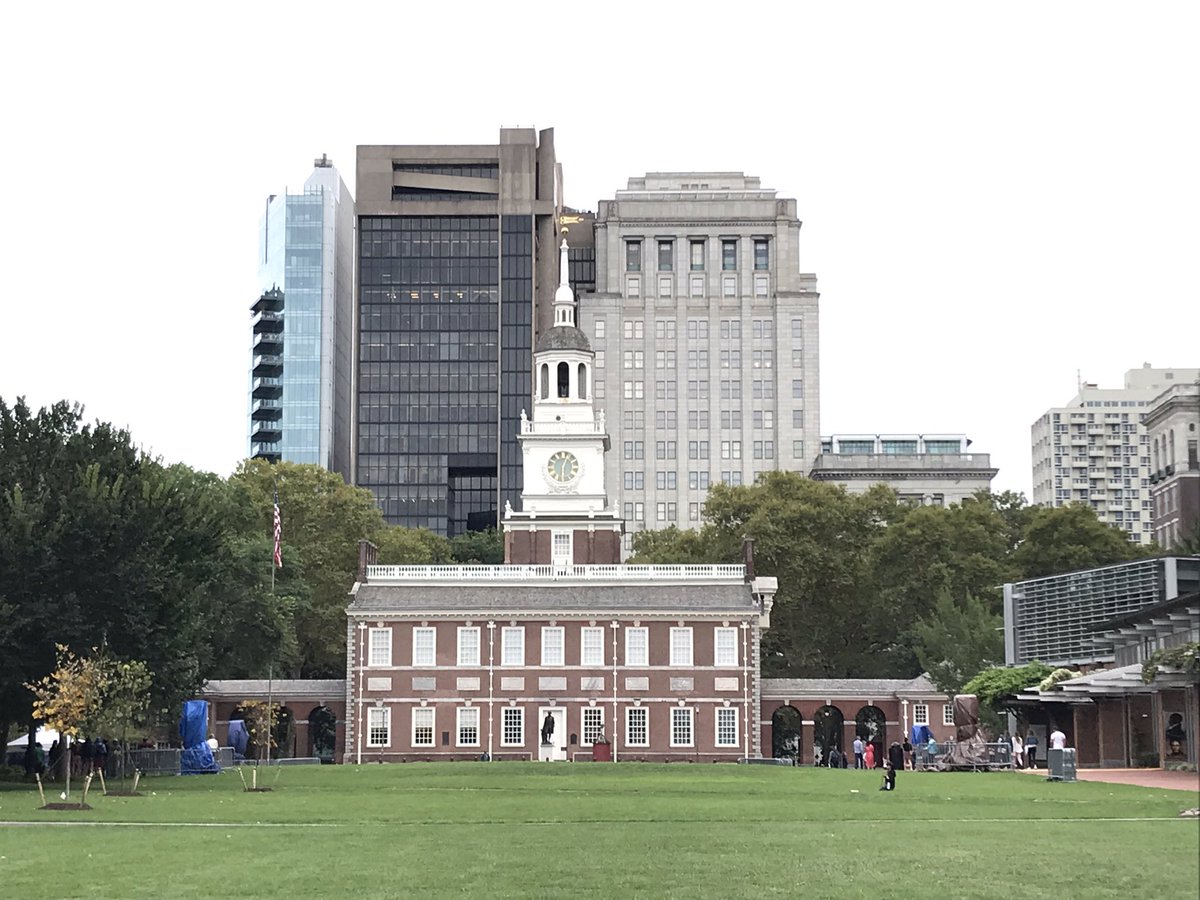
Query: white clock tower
point(565, 516)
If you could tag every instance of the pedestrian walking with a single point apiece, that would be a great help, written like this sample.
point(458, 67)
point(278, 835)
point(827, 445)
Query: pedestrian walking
point(858, 753)
point(1031, 745)
point(909, 762)
point(869, 756)
point(1018, 751)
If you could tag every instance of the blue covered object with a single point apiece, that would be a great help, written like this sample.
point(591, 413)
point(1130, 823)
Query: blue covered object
point(239, 738)
point(197, 756)
point(921, 735)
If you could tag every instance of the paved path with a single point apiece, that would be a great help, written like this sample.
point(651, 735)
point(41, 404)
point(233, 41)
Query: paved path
point(1151, 778)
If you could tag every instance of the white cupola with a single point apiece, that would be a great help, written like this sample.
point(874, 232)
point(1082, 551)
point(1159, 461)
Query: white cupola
point(563, 361)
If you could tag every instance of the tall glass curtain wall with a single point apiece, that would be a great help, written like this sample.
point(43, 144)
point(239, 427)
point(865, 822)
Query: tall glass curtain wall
point(272, 255)
point(429, 368)
point(516, 353)
point(302, 329)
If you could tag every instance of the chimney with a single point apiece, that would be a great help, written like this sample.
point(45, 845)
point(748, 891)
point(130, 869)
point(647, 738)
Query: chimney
point(367, 554)
point(748, 557)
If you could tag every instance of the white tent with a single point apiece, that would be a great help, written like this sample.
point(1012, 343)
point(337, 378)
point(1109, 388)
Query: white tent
point(44, 736)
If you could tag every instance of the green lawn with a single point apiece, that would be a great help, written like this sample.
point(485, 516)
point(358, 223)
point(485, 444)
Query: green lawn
point(530, 830)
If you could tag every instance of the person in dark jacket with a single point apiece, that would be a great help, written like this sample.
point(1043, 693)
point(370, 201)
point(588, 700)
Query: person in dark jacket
point(889, 777)
point(896, 755)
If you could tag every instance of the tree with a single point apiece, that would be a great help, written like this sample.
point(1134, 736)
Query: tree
point(398, 546)
point(1070, 538)
point(956, 640)
point(125, 701)
point(997, 686)
point(70, 698)
point(478, 548)
point(323, 520)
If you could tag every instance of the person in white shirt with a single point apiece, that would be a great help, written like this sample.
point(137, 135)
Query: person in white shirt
point(1058, 740)
point(212, 743)
point(1018, 751)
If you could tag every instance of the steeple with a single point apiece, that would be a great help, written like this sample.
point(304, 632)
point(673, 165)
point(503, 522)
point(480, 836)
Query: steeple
point(564, 297)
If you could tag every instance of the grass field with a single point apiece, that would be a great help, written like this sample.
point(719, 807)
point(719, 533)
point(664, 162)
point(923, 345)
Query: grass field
point(562, 831)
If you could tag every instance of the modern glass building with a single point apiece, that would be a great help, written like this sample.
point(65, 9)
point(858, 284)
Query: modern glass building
point(302, 329)
point(450, 282)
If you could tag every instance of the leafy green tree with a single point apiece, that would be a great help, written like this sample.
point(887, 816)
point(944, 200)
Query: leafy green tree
point(1069, 538)
point(323, 520)
point(412, 547)
point(125, 703)
point(957, 639)
point(997, 686)
point(478, 548)
point(673, 545)
point(70, 698)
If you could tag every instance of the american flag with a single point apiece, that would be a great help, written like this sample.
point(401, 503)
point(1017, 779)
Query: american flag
point(278, 535)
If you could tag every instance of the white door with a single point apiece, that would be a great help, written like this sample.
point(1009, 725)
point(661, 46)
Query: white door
point(555, 748)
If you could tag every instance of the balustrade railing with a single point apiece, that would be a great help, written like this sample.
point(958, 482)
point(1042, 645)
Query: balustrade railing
point(555, 572)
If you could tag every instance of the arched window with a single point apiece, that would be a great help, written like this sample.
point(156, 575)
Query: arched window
point(583, 385)
point(545, 382)
point(1171, 446)
point(564, 380)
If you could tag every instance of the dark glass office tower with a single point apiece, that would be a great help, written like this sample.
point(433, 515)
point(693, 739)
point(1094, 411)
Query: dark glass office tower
point(450, 281)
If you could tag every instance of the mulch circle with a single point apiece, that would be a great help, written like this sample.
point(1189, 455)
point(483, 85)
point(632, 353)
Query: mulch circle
point(67, 806)
point(258, 790)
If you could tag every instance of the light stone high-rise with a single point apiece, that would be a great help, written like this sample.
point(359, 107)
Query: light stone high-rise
point(1095, 450)
point(706, 336)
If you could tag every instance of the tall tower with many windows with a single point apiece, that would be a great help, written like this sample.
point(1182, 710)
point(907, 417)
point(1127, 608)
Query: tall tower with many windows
point(302, 325)
point(450, 282)
point(706, 339)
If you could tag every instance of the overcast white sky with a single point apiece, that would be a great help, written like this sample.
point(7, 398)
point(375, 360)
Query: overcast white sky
point(993, 195)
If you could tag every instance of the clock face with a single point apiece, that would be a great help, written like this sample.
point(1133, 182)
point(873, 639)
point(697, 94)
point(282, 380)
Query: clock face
point(563, 466)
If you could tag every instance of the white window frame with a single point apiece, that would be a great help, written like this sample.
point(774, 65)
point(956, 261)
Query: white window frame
point(519, 713)
point(730, 714)
point(920, 713)
point(632, 712)
point(595, 635)
point(948, 714)
point(420, 660)
point(643, 652)
point(731, 634)
point(379, 652)
point(465, 713)
point(512, 646)
point(596, 715)
point(374, 715)
point(465, 657)
point(560, 660)
point(561, 556)
point(678, 657)
point(424, 717)
point(678, 714)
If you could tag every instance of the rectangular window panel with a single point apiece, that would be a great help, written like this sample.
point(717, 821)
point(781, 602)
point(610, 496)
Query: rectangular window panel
point(593, 724)
point(379, 726)
point(468, 726)
point(637, 647)
point(697, 248)
point(727, 727)
point(729, 255)
point(725, 646)
point(424, 646)
point(665, 256)
point(552, 646)
point(762, 256)
point(468, 646)
point(681, 646)
point(637, 726)
point(422, 726)
point(512, 646)
point(681, 727)
point(380, 653)
point(633, 257)
point(512, 727)
point(592, 647)
point(920, 714)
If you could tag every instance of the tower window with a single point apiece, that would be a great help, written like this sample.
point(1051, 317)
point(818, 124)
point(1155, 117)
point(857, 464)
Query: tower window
point(582, 381)
point(545, 382)
point(564, 380)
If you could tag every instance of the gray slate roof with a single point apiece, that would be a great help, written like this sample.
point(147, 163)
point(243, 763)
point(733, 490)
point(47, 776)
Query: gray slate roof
point(842, 687)
point(563, 337)
point(253, 687)
point(551, 597)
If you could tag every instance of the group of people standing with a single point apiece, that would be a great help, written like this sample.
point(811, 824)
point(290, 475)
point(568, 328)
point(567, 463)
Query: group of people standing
point(1024, 750)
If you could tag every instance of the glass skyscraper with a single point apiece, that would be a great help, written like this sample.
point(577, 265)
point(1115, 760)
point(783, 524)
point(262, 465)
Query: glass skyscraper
point(449, 284)
point(301, 359)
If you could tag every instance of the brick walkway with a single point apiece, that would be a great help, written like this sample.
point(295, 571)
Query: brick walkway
point(1151, 778)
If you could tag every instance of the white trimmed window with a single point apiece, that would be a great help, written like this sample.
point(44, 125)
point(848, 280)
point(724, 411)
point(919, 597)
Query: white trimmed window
point(637, 726)
point(512, 728)
point(380, 647)
point(592, 647)
point(468, 726)
point(727, 726)
point(552, 646)
point(725, 647)
point(512, 646)
point(561, 548)
point(424, 647)
point(637, 647)
point(379, 726)
point(468, 646)
point(422, 726)
point(593, 724)
point(948, 714)
point(681, 726)
point(920, 713)
point(681, 646)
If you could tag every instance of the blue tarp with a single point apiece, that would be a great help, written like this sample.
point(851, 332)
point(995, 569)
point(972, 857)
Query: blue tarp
point(239, 737)
point(921, 735)
point(197, 756)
